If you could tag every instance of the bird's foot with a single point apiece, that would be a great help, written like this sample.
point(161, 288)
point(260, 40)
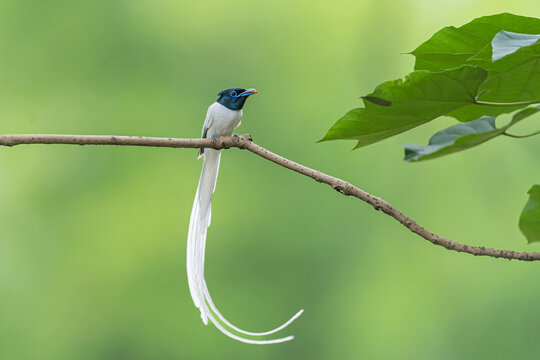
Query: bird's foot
point(214, 140)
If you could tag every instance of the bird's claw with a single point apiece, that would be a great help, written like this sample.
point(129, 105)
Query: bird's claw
point(236, 136)
point(214, 140)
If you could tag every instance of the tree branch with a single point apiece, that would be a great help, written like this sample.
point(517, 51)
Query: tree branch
point(245, 142)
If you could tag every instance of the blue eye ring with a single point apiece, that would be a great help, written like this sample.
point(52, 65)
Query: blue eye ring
point(233, 94)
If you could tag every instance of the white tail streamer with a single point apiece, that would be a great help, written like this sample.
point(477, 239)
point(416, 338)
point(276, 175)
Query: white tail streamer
point(198, 226)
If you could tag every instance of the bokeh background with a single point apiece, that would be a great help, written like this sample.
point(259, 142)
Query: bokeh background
point(92, 239)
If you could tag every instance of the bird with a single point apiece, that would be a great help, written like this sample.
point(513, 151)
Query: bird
point(222, 118)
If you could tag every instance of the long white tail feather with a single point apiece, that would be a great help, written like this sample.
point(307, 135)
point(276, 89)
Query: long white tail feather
point(249, 341)
point(199, 222)
point(226, 322)
point(198, 225)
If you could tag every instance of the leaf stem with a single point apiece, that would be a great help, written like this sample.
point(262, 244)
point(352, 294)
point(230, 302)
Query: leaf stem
point(521, 136)
point(520, 103)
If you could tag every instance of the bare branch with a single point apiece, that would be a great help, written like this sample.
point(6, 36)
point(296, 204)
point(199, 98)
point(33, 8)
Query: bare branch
point(245, 142)
point(12, 140)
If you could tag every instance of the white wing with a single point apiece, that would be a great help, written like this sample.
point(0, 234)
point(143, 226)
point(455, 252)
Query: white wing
point(207, 123)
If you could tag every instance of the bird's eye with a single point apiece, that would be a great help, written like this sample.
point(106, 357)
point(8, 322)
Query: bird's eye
point(233, 94)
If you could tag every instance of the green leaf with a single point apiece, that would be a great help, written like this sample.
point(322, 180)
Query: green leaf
point(472, 112)
point(514, 78)
point(462, 136)
point(453, 139)
point(529, 221)
point(451, 47)
point(455, 76)
point(421, 97)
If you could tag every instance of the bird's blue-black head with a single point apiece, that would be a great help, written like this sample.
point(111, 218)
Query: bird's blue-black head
point(234, 98)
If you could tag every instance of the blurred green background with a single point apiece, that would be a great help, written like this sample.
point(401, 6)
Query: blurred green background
point(92, 239)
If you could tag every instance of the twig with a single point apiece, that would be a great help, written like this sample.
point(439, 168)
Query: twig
point(521, 136)
point(519, 103)
point(245, 142)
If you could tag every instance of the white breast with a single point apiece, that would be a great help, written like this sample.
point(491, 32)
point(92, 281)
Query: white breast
point(222, 121)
